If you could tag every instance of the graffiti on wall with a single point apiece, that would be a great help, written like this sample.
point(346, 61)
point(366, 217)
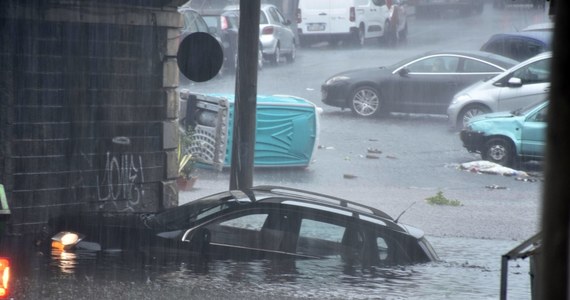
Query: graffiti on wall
point(122, 179)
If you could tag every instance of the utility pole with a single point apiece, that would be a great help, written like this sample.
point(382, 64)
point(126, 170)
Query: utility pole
point(245, 104)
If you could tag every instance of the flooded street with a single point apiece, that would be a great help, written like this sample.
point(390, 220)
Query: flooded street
point(420, 157)
point(469, 269)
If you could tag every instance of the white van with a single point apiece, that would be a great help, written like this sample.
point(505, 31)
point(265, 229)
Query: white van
point(353, 20)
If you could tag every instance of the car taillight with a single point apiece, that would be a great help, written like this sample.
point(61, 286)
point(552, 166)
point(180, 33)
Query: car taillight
point(267, 30)
point(224, 22)
point(352, 14)
point(299, 16)
point(5, 279)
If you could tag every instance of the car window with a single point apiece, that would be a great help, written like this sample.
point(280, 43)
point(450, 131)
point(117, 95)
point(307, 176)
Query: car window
point(193, 22)
point(438, 64)
point(274, 15)
point(539, 116)
point(263, 18)
point(475, 66)
point(241, 230)
point(280, 16)
point(536, 72)
point(319, 238)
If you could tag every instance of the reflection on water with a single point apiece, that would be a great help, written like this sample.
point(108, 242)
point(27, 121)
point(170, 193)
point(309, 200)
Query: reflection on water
point(470, 268)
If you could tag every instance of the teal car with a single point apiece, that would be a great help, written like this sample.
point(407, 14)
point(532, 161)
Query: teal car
point(508, 137)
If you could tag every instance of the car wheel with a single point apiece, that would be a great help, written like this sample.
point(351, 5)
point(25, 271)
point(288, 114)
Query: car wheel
point(498, 150)
point(276, 55)
point(365, 101)
point(291, 56)
point(469, 112)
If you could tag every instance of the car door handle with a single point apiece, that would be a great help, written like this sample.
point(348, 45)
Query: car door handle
point(322, 14)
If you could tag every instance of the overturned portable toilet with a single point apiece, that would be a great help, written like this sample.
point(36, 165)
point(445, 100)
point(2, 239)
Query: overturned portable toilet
point(287, 129)
point(527, 249)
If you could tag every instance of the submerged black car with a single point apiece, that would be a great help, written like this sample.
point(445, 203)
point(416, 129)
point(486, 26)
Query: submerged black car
point(265, 222)
point(421, 84)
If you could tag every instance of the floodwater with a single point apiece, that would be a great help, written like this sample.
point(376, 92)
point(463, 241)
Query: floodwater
point(469, 269)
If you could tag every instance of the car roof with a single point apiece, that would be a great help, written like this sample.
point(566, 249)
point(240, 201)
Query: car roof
point(236, 7)
point(541, 36)
point(321, 202)
point(500, 60)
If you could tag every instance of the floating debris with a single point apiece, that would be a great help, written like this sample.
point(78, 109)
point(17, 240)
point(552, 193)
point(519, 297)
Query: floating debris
point(373, 150)
point(372, 156)
point(373, 140)
point(349, 176)
point(526, 179)
point(496, 187)
point(391, 157)
point(325, 147)
point(487, 167)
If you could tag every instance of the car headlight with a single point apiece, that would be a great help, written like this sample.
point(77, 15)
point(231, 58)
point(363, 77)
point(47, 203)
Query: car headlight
point(336, 79)
point(65, 240)
point(460, 98)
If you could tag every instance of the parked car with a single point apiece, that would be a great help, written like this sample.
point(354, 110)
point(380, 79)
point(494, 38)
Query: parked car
point(431, 7)
point(420, 84)
point(264, 222)
point(521, 85)
point(508, 137)
point(503, 3)
point(193, 22)
point(277, 38)
point(520, 45)
point(353, 20)
point(225, 26)
point(287, 129)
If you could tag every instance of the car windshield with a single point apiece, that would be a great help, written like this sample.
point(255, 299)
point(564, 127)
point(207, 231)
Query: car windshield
point(183, 216)
point(526, 109)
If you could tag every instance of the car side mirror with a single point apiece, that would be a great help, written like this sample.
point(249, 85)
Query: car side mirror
point(515, 82)
point(404, 72)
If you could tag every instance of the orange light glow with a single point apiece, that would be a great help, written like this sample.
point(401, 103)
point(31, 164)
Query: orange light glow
point(5, 280)
point(57, 245)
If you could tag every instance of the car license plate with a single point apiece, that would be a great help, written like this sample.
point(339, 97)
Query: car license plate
point(315, 27)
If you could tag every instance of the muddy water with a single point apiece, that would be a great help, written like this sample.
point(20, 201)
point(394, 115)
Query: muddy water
point(469, 269)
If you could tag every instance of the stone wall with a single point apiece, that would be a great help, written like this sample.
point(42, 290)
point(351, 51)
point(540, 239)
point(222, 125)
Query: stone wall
point(88, 107)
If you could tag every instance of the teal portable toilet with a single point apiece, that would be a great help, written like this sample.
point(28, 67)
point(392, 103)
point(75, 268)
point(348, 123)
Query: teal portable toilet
point(287, 129)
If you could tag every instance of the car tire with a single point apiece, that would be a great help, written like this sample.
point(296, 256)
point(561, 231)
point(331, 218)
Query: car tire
point(365, 101)
point(469, 112)
point(291, 56)
point(276, 57)
point(499, 150)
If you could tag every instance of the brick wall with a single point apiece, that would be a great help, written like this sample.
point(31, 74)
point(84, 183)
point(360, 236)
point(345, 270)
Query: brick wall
point(88, 108)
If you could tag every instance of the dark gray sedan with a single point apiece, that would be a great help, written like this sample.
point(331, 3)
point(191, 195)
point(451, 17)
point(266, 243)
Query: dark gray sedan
point(421, 84)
